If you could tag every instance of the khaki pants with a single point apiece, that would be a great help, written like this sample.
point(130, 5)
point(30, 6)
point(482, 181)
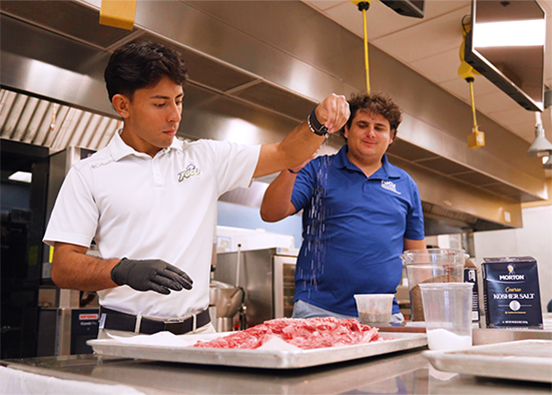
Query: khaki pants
point(108, 333)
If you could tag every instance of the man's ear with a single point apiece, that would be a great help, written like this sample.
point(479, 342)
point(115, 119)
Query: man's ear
point(393, 134)
point(346, 131)
point(120, 103)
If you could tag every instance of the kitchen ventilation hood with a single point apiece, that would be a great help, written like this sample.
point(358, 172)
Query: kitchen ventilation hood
point(253, 83)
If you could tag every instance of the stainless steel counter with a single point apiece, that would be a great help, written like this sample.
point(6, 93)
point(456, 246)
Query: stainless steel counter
point(403, 373)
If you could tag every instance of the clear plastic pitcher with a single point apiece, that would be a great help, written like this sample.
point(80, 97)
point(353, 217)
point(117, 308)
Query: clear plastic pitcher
point(434, 265)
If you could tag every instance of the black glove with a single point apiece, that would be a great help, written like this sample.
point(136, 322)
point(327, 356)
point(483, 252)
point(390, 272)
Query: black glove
point(150, 275)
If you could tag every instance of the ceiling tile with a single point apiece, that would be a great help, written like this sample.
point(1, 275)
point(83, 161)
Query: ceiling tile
point(324, 5)
point(458, 88)
point(439, 68)
point(426, 39)
point(461, 89)
point(380, 19)
point(430, 47)
point(496, 102)
point(515, 117)
point(483, 86)
point(436, 8)
point(546, 5)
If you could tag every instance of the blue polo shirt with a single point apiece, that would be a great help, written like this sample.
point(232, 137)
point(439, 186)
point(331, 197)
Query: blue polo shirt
point(353, 230)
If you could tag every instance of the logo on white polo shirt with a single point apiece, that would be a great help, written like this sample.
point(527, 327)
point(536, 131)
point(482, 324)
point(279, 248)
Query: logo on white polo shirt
point(390, 186)
point(191, 170)
point(96, 165)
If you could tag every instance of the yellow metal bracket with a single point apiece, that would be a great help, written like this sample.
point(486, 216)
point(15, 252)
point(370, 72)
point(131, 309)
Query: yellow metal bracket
point(118, 13)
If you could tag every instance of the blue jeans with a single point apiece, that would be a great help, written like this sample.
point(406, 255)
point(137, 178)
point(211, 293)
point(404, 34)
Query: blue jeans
point(302, 309)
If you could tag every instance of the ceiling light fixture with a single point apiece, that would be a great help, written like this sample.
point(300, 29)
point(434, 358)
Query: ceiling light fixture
point(511, 33)
point(541, 145)
point(21, 176)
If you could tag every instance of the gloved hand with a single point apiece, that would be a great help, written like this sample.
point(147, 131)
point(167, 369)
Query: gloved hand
point(150, 275)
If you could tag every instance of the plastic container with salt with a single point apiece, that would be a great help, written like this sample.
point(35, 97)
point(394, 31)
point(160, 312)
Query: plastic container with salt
point(432, 265)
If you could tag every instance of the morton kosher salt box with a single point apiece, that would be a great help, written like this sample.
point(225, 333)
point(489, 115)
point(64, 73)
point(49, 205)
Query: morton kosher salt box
point(511, 293)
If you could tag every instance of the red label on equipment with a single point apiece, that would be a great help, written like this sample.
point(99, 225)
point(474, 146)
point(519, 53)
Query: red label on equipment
point(89, 317)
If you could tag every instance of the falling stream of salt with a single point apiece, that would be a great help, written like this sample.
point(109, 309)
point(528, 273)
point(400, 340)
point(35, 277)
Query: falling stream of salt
point(317, 214)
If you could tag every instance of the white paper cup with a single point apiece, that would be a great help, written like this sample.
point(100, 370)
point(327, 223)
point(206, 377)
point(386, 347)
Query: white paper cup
point(375, 309)
point(447, 309)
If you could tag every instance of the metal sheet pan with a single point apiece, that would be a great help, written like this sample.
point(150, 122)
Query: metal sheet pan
point(529, 360)
point(271, 359)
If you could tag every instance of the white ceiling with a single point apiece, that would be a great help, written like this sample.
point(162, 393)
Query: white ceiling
point(431, 45)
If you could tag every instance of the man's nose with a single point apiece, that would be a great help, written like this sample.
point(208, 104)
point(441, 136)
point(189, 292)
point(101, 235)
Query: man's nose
point(175, 113)
point(370, 131)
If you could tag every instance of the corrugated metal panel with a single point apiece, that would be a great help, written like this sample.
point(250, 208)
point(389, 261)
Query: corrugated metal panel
point(40, 122)
point(444, 212)
point(35, 124)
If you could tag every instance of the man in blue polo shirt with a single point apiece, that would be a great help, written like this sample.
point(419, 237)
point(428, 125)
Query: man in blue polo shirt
point(359, 213)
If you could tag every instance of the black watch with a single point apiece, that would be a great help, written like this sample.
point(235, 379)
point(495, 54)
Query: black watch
point(315, 126)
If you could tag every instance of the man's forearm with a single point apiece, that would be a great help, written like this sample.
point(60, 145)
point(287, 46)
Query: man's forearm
point(73, 269)
point(302, 142)
point(299, 145)
point(293, 150)
point(276, 203)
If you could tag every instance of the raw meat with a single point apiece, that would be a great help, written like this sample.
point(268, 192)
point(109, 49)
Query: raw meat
point(305, 333)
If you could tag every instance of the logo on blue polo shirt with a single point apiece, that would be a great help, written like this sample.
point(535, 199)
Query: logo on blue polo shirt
point(191, 170)
point(390, 186)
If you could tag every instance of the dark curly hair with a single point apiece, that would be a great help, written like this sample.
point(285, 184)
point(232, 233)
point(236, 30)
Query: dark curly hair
point(140, 65)
point(376, 103)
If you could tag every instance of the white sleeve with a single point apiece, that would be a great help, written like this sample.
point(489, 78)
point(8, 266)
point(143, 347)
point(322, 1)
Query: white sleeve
point(75, 215)
point(235, 164)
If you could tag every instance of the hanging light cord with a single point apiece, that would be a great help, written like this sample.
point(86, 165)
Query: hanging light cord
point(470, 81)
point(363, 6)
point(366, 63)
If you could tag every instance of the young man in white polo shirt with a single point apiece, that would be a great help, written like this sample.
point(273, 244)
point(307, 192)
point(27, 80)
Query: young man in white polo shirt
point(149, 200)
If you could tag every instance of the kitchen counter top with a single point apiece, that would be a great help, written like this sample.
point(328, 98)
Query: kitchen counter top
point(402, 372)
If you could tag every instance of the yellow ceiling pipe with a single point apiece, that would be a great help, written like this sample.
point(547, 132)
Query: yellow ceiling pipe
point(118, 13)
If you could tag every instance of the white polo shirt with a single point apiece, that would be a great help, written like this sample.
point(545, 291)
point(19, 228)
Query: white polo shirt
point(140, 207)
